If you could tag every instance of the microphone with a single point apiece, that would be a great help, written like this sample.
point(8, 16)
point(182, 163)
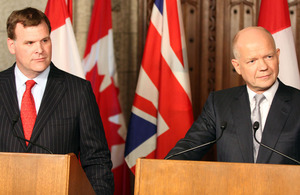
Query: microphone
point(222, 126)
point(14, 121)
point(255, 128)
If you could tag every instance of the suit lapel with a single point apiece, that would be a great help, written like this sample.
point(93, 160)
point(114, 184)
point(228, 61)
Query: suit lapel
point(240, 108)
point(10, 101)
point(279, 111)
point(54, 91)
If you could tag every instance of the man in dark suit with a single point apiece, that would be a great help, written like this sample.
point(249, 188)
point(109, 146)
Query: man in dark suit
point(67, 116)
point(257, 61)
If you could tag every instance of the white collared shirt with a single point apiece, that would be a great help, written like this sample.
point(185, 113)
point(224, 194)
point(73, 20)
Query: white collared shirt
point(37, 90)
point(265, 104)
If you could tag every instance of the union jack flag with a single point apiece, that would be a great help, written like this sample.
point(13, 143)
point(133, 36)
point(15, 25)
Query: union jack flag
point(162, 108)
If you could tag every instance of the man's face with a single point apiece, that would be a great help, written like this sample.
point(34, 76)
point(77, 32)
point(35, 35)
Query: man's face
point(258, 61)
point(32, 47)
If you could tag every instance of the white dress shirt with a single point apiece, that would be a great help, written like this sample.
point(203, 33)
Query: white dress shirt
point(37, 90)
point(265, 104)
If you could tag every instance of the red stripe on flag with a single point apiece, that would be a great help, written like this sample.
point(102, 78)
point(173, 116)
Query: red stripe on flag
point(176, 109)
point(56, 14)
point(278, 10)
point(70, 9)
point(174, 29)
point(151, 56)
point(145, 105)
point(101, 22)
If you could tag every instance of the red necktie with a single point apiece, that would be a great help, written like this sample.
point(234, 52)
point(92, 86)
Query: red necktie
point(28, 112)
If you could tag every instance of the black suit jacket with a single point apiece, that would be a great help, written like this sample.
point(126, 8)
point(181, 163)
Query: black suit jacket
point(281, 131)
point(68, 121)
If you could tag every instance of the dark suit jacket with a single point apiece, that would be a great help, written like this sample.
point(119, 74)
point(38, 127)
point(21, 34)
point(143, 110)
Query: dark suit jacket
point(68, 121)
point(281, 131)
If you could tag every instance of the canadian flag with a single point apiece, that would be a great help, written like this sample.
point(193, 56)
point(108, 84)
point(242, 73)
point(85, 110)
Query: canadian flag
point(65, 54)
point(274, 16)
point(100, 68)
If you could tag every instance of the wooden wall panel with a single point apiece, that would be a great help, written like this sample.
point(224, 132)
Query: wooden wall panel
point(191, 20)
point(232, 15)
point(294, 6)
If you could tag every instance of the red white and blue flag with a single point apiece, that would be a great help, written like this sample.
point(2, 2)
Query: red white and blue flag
point(100, 68)
point(274, 16)
point(162, 108)
point(65, 54)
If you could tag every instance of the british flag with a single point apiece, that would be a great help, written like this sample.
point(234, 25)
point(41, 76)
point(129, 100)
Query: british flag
point(162, 108)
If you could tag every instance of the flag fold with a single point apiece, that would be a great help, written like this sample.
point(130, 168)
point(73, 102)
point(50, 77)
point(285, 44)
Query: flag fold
point(65, 54)
point(274, 16)
point(100, 68)
point(162, 107)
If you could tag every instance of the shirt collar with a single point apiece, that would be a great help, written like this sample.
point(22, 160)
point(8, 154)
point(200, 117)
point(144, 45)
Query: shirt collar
point(41, 79)
point(269, 94)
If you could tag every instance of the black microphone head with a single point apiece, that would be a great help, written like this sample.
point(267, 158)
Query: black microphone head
point(223, 125)
point(255, 125)
point(15, 118)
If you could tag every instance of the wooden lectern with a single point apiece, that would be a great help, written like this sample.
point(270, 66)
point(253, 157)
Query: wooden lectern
point(203, 177)
point(42, 174)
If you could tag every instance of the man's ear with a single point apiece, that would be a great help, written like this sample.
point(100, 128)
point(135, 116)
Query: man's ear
point(278, 52)
point(236, 65)
point(11, 45)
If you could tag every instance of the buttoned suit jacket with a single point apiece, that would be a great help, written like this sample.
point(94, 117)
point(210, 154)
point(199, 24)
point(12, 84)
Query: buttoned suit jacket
point(68, 121)
point(281, 131)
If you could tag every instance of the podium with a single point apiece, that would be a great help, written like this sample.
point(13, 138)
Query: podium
point(203, 177)
point(42, 174)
